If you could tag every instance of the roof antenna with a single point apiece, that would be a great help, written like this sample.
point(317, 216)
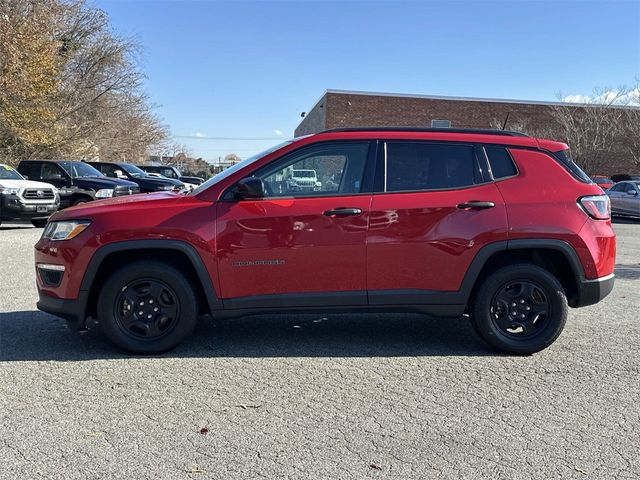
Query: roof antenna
point(504, 125)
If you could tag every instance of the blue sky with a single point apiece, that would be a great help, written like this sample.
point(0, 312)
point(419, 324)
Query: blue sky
point(247, 69)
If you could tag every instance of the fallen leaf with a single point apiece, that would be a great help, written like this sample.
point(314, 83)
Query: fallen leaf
point(375, 467)
point(244, 407)
point(204, 430)
point(578, 469)
point(196, 471)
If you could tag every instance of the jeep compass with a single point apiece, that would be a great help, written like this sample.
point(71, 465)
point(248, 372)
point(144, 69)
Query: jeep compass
point(497, 225)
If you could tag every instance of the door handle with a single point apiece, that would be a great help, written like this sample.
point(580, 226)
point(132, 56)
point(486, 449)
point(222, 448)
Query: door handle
point(342, 212)
point(476, 204)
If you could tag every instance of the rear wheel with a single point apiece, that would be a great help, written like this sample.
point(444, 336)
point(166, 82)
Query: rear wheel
point(147, 307)
point(520, 309)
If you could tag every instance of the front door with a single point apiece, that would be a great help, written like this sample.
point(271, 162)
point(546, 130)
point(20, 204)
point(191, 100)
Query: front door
point(304, 243)
point(436, 210)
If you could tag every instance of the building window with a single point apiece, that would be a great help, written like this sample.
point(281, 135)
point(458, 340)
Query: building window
point(440, 123)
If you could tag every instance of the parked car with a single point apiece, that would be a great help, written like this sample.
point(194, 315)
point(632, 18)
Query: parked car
point(621, 177)
point(24, 200)
point(170, 171)
point(625, 198)
point(603, 182)
point(432, 221)
point(134, 174)
point(77, 182)
point(187, 186)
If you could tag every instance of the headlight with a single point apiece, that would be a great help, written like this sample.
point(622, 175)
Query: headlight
point(9, 191)
point(65, 230)
point(104, 193)
point(166, 187)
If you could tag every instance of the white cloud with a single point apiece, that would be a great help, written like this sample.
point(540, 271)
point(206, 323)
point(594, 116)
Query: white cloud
point(198, 134)
point(613, 96)
point(278, 132)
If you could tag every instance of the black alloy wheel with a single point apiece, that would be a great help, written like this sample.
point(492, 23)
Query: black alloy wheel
point(519, 309)
point(148, 306)
point(147, 309)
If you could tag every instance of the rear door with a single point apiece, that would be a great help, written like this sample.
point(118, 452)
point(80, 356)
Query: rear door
point(304, 243)
point(434, 209)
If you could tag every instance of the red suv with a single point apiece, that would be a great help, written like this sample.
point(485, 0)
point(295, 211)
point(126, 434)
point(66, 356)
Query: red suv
point(495, 224)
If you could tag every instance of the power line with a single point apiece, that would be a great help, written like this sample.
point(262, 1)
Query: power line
point(198, 137)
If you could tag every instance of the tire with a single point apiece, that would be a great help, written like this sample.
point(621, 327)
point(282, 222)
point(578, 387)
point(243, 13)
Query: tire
point(39, 223)
point(536, 309)
point(159, 292)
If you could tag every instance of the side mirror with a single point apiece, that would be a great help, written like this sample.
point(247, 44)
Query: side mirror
point(111, 175)
point(249, 188)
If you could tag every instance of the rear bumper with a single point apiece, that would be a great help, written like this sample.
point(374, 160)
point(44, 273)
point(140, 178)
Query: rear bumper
point(72, 310)
point(592, 291)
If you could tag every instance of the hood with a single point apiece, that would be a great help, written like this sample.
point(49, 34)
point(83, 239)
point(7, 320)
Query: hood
point(127, 202)
point(102, 182)
point(25, 184)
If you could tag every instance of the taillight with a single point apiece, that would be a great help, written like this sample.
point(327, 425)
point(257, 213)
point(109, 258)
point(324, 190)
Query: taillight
point(596, 206)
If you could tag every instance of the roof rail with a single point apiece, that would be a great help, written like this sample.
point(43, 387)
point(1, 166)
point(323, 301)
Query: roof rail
point(478, 131)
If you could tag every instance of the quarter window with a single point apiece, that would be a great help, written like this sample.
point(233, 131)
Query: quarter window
point(331, 169)
point(423, 166)
point(501, 163)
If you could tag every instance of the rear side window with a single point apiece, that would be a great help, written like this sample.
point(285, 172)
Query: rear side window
point(501, 162)
point(423, 166)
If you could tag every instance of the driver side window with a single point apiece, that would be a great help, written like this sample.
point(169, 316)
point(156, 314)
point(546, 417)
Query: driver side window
point(330, 169)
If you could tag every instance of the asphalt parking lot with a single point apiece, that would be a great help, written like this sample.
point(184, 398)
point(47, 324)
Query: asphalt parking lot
point(348, 396)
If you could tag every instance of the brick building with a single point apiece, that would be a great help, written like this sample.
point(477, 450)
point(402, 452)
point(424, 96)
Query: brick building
point(339, 108)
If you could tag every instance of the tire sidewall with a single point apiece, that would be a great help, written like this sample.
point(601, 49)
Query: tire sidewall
point(186, 320)
point(551, 288)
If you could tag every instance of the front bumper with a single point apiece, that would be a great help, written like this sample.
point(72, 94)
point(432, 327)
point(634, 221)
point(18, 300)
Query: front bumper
point(13, 208)
point(72, 310)
point(592, 291)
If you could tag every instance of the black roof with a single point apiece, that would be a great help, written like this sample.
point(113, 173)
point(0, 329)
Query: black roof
point(477, 131)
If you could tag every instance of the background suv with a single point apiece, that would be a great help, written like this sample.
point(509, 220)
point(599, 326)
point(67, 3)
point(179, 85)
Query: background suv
point(77, 182)
point(130, 172)
point(495, 224)
point(25, 200)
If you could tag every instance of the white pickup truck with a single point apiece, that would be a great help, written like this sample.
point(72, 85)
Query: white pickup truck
point(24, 200)
point(300, 179)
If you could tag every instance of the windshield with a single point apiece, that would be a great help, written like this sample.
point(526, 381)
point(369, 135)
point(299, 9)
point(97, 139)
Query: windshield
point(8, 173)
point(238, 166)
point(80, 169)
point(132, 170)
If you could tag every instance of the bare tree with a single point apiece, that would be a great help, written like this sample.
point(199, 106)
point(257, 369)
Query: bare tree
point(70, 87)
point(594, 128)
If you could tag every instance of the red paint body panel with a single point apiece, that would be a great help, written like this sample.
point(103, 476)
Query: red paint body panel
point(540, 208)
point(309, 252)
point(136, 217)
point(421, 240)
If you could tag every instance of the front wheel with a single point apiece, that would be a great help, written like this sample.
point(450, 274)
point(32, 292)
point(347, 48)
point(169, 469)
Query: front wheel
point(147, 307)
point(520, 309)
